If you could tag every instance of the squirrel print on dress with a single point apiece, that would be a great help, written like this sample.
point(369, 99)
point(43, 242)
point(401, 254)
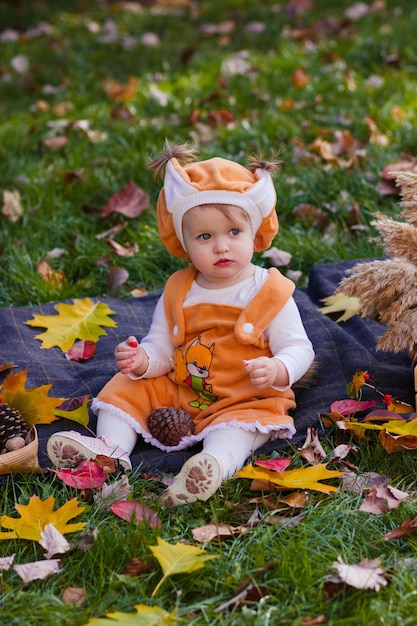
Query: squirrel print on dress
point(193, 369)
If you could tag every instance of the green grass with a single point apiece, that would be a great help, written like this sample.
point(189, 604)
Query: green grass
point(359, 69)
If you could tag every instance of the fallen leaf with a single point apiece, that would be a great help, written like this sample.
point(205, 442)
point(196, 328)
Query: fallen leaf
point(407, 528)
point(136, 512)
point(277, 257)
point(382, 499)
point(129, 201)
point(55, 143)
point(75, 409)
point(312, 450)
point(367, 574)
point(12, 208)
point(311, 621)
point(303, 478)
point(35, 515)
point(137, 567)
point(128, 250)
point(178, 559)
point(300, 78)
point(87, 475)
point(38, 570)
point(278, 464)
point(252, 593)
point(110, 493)
point(6, 562)
point(54, 278)
point(81, 351)
point(144, 615)
point(81, 320)
point(73, 595)
point(211, 532)
point(356, 483)
point(34, 405)
point(121, 92)
point(340, 302)
point(115, 278)
point(351, 407)
point(53, 541)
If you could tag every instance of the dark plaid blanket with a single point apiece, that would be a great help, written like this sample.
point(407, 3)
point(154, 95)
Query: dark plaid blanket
point(341, 349)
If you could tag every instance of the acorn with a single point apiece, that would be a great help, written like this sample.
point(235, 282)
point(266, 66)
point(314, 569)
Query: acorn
point(12, 425)
point(170, 425)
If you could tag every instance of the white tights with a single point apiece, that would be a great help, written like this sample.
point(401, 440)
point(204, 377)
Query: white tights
point(231, 445)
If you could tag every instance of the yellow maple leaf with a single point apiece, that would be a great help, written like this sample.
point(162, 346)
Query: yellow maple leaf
point(400, 427)
point(178, 559)
point(34, 405)
point(81, 320)
point(145, 616)
point(341, 302)
point(302, 478)
point(37, 514)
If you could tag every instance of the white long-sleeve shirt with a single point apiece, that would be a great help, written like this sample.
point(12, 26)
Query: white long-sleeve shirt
point(286, 335)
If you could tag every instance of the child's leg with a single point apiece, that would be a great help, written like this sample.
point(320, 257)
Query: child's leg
point(232, 446)
point(224, 452)
point(115, 439)
point(116, 430)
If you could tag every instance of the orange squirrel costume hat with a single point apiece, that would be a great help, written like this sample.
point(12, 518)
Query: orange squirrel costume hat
point(215, 181)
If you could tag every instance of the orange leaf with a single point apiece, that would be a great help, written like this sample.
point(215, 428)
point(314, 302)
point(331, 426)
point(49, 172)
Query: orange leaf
point(54, 278)
point(120, 92)
point(34, 405)
point(394, 444)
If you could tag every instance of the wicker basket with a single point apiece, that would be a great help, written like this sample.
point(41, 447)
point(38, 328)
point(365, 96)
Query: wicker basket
point(22, 460)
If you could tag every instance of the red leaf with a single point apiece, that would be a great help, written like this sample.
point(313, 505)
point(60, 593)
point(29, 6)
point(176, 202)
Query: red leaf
point(88, 475)
point(278, 464)
point(347, 407)
point(81, 351)
point(136, 512)
point(130, 201)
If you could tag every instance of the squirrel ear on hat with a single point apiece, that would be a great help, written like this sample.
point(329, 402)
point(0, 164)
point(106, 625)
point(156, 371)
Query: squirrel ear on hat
point(184, 153)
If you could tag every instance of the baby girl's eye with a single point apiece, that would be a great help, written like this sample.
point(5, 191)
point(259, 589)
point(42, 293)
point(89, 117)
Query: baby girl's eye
point(235, 231)
point(204, 236)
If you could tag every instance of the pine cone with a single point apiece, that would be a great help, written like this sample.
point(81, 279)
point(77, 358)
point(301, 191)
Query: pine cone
point(11, 425)
point(170, 425)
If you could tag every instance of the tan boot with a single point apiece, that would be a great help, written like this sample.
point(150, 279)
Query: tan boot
point(199, 479)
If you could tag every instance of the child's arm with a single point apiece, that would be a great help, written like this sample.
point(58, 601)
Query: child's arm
point(267, 372)
point(131, 358)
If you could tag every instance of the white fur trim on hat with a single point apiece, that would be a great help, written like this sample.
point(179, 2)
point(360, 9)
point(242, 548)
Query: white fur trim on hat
point(180, 197)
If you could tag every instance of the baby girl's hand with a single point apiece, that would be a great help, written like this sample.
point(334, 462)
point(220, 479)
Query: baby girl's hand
point(130, 357)
point(266, 372)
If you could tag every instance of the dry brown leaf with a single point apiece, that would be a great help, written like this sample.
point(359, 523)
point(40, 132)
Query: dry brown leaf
point(211, 532)
point(277, 257)
point(74, 595)
point(55, 143)
point(300, 78)
point(367, 574)
point(312, 450)
point(129, 249)
point(121, 92)
point(38, 570)
point(54, 278)
point(12, 207)
point(129, 201)
point(53, 541)
point(6, 562)
point(407, 528)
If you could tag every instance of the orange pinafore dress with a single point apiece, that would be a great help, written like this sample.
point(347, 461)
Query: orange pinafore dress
point(209, 380)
